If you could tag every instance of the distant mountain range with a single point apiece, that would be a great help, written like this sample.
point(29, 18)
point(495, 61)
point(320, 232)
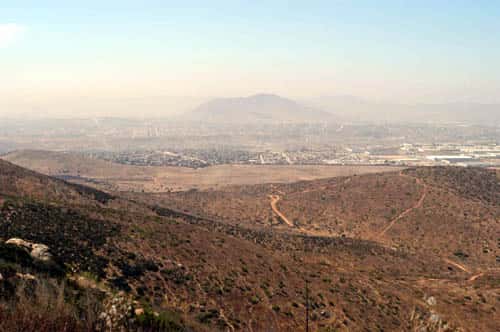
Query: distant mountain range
point(351, 108)
point(269, 108)
point(260, 108)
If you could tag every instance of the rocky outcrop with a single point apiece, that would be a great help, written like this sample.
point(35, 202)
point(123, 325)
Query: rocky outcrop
point(19, 243)
point(117, 314)
point(37, 251)
point(41, 252)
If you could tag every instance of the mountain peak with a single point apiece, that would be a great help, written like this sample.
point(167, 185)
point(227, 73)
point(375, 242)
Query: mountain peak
point(265, 96)
point(258, 108)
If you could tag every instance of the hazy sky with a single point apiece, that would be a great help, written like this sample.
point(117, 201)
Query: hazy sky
point(116, 56)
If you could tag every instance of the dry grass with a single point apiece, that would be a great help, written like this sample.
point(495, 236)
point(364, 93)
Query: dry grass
point(42, 306)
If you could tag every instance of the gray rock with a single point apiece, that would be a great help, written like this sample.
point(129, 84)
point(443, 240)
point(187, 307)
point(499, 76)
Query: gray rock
point(36, 250)
point(41, 252)
point(20, 243)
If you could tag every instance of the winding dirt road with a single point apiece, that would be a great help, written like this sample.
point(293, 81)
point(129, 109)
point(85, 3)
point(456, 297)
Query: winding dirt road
point(274, 201)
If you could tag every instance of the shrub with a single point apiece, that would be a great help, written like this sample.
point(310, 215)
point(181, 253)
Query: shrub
point(42, 306)
point(166, 321)
point(254, 300)
point(206, 317)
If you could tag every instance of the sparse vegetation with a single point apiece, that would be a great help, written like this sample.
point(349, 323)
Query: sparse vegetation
point(187, 267)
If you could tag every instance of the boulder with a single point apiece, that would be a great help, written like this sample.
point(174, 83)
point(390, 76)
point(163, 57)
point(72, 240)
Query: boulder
point(431, 301)
point(20, 243)
point(25, 276)
point(38, 251)
point(41, 252)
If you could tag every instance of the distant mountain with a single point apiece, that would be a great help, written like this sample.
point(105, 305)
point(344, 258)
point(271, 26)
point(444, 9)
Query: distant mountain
point(351, 108)
point(260, 108)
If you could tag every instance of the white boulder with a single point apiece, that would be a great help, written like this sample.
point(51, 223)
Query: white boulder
point(36, 250)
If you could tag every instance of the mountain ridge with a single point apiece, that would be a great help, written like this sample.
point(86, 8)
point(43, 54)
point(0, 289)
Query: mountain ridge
point(258, 108)
point(356, 109)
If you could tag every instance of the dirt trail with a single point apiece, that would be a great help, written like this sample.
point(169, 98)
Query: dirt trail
point(274, 202)
point(459, 266)
point(410, 209)
point(474, 277)
point(224, 318)
point(492, 271)
point(416, 206)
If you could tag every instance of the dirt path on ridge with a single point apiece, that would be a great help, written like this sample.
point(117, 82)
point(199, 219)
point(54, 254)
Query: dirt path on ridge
point(410, 209)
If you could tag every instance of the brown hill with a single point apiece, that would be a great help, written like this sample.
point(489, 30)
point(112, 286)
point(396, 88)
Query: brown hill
point(20, 182)
point(217, 275)
point(453, 212)
point(440, 214)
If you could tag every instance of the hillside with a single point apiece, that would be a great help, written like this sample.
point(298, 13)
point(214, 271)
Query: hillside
point(261, 108)
point(208, 274)
point(451, 213)
point(19, 182)
point(446, 215)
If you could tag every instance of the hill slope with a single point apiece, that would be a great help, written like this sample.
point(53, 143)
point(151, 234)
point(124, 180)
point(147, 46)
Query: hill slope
point(19, 182)
point(445, 211)
point(216, 275)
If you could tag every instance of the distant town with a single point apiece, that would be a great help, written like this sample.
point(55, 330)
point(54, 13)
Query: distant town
point(407, 154)
point(164, 142)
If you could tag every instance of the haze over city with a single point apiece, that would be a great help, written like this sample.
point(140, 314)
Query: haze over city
point(151, 58)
